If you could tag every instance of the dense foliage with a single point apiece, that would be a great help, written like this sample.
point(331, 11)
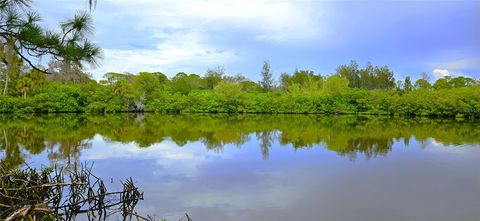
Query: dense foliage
point(373, 91)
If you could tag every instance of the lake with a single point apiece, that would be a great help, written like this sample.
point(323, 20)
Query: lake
point(267, 167)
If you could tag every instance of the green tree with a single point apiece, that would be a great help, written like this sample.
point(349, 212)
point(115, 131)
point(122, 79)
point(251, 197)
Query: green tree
point(22, 38)
point(184, 83)
point(229, 90)
point(351, 73)
point(422, 84)
point(24, 85)
point(442, 83)
point(303, 79)
point(407, 85)
point(112, 77)
point(213, 77)
point(266, 77)
point(370, 77)
point(29, 82)
point(146, 82)
point(400, 85)
point(335, 84)
point(366, 77)
point(250, 86)
point(461, 81)
point(383, 78)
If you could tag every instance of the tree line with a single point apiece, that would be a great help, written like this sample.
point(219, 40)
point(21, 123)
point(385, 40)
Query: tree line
point(350, 90)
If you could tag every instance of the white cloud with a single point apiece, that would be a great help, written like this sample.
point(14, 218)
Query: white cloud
point(454, 67)
point(440, 73)
point(438, 147)
point(173, 54)
point(198, 34)
point(166, 154)
point(270, 20)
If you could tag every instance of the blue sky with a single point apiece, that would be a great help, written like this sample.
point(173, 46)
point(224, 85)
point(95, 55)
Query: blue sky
point(411, 37)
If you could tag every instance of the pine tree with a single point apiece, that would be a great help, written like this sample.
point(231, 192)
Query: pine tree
point(267, 77)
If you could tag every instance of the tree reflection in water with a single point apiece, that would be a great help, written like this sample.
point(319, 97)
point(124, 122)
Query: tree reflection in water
point(64, 136)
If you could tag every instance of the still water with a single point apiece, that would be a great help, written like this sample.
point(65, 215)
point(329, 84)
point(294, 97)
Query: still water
point(267, 167)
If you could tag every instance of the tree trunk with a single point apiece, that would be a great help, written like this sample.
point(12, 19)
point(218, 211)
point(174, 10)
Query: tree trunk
point(7, 79)
point(5, 140)
point(10, 64)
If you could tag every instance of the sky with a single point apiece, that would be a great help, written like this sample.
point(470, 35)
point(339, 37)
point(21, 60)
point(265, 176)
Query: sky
point(437, 37)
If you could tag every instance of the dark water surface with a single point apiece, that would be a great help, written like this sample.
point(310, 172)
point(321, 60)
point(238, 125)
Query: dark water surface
point(268, 167)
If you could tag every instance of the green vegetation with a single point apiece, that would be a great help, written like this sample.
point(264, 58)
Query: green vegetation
point(65, 136)
point(348, 91)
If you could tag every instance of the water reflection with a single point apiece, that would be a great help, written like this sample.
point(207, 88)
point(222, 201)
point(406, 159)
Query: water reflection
point(318, 167)
point(64, 136)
